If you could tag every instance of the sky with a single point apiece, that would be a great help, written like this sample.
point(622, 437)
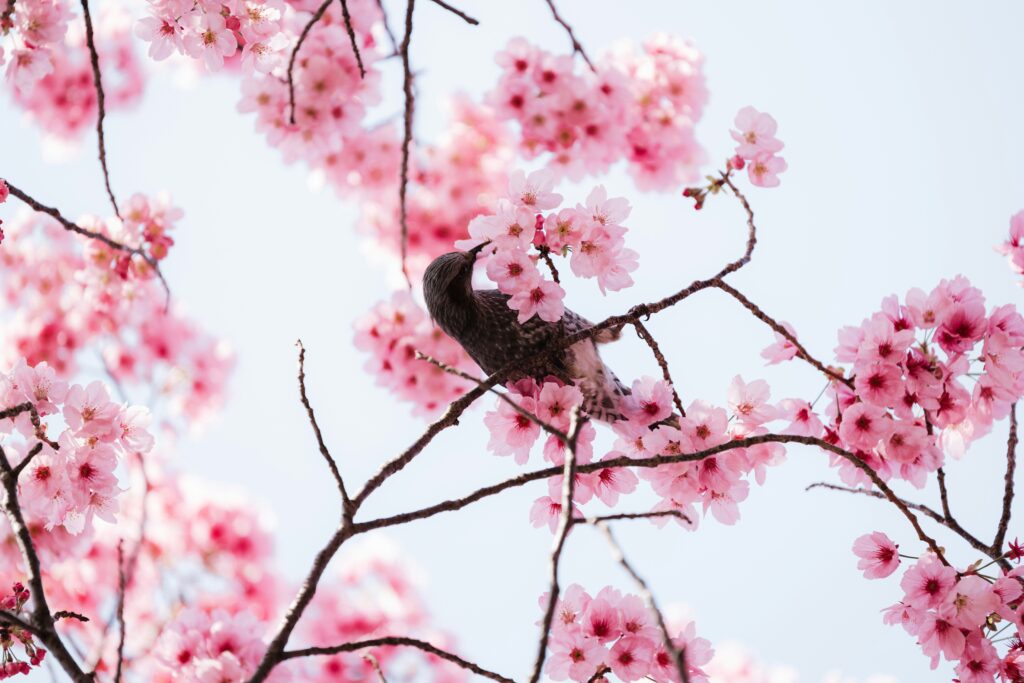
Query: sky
point(902, 124)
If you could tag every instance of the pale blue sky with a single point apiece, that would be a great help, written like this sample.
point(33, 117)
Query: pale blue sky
point(902, 124)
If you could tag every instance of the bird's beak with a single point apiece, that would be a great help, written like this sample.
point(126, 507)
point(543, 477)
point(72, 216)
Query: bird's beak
point(475, 251)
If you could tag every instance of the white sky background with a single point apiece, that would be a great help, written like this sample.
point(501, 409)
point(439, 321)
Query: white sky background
point(902, 124)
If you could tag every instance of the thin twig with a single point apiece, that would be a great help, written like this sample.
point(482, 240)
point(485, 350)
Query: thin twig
point(91, 234)
point(545, 253)
point(564, 526)
point(678, 655)
point(645, 334)
point(42, 619)
point(94, 58)
point(397, 641)
point(632, 515)
point(331, 464)
point(457, 12)
point(122, 589)
point(375, 663)
point(387, 27)
point(576, 46)
point(295, 53)
point(352, 37)
point(550, 429)
point(801, 352)
point(410, 107)
point(937, 517)
point(940, 474)
point(1011, 465)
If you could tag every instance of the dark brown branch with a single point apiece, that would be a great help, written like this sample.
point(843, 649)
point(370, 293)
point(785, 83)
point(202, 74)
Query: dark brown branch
point(27, 459)
point(943, 493)
point(657, 461)
point(352, 37)
point(678, 655)
point(12, 619)
point(40, 433)
point(577, 48)
point(122, 590)
point(91, 234)
point(550, 429)
point(94, 58)
point(375, 663)
point(410, 108)
point(777, 327)
point(632, 515)
point(317, 16)
point(457, 12)
point(645, 334)
point(1011, 465)
point(935, 516)
point(42, 619)
point(66, 614)
point(387, 27)
point(275, 650)
point(331, 464)
point(564, 526)
point(751, 230)
point(545, 253)
point(388, 641)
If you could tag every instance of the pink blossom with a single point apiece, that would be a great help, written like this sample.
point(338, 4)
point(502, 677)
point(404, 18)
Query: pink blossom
point(782, 349)
point(574, 655)
point(764, 169)
point(879, 384)
point(749, 402)
point(556, 402)
point(937, 635)
point(879, 555)
point(512, 433)
point(513, 271)
point(863, 426)
point(4, 191)
point(610, 483)
point(602, 620)
point(650, 401)
point(544, 300)
point(801, 416)
point(547, 510)
point(928, 583)
point(756, 133)
point(212, 42)
point(631, 656)
point(533, 192)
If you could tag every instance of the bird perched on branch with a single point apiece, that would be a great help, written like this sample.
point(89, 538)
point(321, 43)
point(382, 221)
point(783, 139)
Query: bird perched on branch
point(489, 331)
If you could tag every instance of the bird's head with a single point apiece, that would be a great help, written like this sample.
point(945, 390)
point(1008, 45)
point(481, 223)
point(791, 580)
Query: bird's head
point(448, 282)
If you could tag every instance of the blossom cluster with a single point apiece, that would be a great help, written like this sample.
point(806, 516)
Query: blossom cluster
point(213, 646)
point(612, 632)
point(75, 298)
point(755, 151)
point(1013, 248)
point(954, 614)
point(905, 406)
point(71, 484)
point(757, 147)
point(640, 106)
point(11, 635)
point(63, 100)
point(212, 32)
point(593, 234)
point(36, 27)
point(717, 483)
point(392, 333)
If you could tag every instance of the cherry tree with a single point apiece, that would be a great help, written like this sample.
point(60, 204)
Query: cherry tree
point(123, 566)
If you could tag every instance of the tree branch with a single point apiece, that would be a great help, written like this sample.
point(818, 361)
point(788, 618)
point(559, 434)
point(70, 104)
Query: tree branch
point(91, 234)
point(295, 53)
point(577, 48)
point(397, 641)
point(331, 464)
point(457, 12)
point(1011, 465)
point(97, 78)
point(645, 334)
point(678, 656)
point(352, 37)
point(564, 526)
point(410, 107)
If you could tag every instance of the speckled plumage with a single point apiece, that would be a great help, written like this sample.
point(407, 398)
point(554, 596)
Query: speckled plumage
point(483, 324)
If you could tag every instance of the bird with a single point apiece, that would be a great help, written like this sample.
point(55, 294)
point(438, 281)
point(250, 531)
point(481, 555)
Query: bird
point(490, 332)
